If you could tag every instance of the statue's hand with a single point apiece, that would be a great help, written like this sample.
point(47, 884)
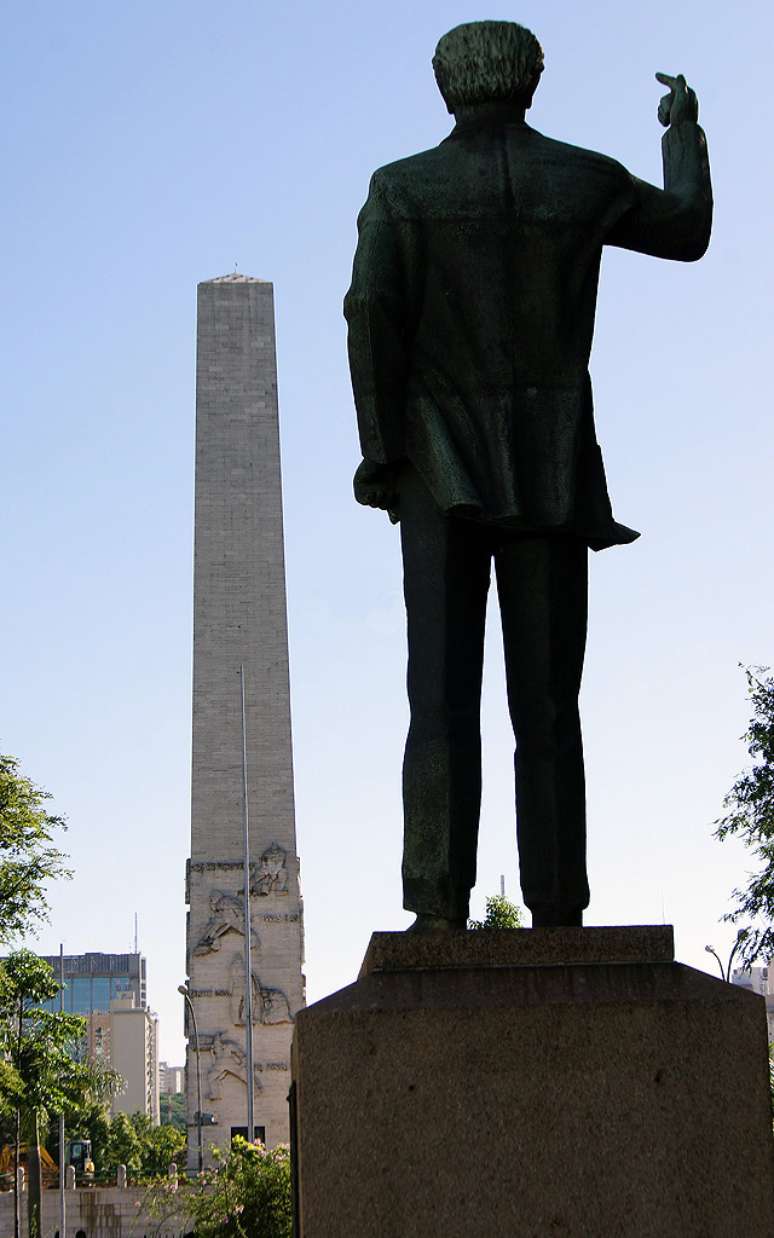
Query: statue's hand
point(681, 102)
point(374, 485)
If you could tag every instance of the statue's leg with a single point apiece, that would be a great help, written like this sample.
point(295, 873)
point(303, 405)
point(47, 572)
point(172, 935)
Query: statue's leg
point(542, 584)
point(446, 567)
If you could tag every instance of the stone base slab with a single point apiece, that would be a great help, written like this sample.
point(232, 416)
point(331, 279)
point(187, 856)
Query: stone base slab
point(519, 1095)
point(549, 947)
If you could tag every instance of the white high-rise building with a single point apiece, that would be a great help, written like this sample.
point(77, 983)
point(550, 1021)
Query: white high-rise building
point(171, 1079)
point(134, 1053)
point(759, 980)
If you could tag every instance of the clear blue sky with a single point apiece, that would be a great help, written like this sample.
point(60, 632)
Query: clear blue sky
point(151, 145)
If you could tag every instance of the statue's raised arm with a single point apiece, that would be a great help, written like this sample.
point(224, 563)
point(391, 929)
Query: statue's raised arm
point(673, 222)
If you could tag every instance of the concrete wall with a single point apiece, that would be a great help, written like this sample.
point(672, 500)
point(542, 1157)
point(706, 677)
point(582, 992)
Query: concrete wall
point(99, 1212)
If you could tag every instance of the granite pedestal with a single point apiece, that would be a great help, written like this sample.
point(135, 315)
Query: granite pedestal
point(573, 1082)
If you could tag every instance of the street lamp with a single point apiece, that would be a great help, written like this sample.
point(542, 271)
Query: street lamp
point(725, 972)
point(185, 994)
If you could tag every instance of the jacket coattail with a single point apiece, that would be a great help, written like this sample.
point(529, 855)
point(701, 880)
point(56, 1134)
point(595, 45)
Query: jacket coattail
point(471, 314)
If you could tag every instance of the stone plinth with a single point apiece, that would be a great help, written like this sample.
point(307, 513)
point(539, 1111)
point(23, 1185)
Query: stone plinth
point(551, 947)
point(532, 1083)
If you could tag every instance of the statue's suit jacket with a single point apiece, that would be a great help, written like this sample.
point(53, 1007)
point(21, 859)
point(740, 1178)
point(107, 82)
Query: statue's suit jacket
point(471, 314)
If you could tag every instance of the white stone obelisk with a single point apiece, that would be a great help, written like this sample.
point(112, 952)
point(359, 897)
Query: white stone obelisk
point(240, 619)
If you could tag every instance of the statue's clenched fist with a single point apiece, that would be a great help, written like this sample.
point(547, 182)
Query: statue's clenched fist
point(681, 102)
point(374, 486)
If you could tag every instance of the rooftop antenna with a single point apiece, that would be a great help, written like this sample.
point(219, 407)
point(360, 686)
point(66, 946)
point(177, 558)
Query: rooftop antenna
point(502, 885)
point(136, 947)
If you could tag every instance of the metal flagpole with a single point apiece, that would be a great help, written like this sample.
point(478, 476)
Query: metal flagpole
point(186, 995)
point(62, 1159)
point(248, 950)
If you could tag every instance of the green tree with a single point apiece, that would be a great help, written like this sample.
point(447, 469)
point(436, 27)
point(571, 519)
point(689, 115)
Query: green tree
point(94, 1124)
point(43, 1075)
point(173, 1110)
point(247, 1196)
point(124, 1146)
point(749, 815)
point(28, 858)
point(159, 1146)
point(163, 1145)
point(501, 913)
point(132, 1140)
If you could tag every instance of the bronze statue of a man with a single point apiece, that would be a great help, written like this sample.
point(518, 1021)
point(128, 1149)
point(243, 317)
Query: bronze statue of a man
point(471, 314)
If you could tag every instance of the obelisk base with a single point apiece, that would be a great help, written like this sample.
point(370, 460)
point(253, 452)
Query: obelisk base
point(533, 1083)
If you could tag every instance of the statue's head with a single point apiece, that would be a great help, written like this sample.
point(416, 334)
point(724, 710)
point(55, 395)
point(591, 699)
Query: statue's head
point(488, 62)
point(273, 857)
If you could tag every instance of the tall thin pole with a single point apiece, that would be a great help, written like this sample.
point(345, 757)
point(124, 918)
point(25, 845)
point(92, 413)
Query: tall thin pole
point(184, 990)
point(62, 1159)
point(248, 950)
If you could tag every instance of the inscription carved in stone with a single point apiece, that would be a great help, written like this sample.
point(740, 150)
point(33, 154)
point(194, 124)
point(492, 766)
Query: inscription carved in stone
point(214, 866)
point(268, 876)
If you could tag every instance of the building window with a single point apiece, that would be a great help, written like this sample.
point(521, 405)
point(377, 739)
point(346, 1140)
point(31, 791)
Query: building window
point(100, 993)
point(80, 995)
point(260, 1133)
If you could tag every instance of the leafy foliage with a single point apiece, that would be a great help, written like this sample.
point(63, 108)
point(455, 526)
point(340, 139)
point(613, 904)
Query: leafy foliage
point(501, 913)
point(163, 1145)
point(247, 1196)
point(28, 858)
point(132, 1140)
point(750, 816)
point(173, 1110)
point(94, 1124)
point(123, 1146)
point(41, 1070)
point(43, 1075)
point(158, 1146)
point(37, 1044)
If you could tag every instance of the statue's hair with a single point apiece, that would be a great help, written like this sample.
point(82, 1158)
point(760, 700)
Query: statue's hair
point(487, 61)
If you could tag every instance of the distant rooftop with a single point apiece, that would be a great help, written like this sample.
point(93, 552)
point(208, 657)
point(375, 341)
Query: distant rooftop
point(236, 277)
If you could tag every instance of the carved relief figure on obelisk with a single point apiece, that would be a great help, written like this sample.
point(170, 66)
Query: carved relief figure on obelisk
point(240, 620)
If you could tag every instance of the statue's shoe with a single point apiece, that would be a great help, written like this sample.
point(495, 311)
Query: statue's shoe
point(557, 917)
point(435, 924)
